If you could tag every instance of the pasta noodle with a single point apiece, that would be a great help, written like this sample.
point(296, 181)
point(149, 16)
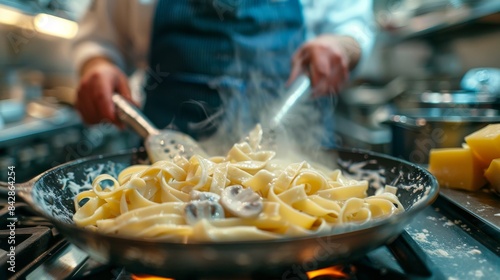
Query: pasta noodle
point(246, 195)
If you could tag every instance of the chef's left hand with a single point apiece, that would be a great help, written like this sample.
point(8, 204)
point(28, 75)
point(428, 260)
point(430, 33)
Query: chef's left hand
point(327, 60)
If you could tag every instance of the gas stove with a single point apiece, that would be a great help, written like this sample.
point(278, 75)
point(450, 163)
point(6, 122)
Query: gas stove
point(457, 237)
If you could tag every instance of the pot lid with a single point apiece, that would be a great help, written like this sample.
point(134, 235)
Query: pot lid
point(422, 116)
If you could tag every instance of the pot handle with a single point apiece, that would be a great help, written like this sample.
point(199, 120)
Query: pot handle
point(405, 121)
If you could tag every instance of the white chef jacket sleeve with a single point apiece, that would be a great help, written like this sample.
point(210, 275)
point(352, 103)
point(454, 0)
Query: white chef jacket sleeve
point(353, 18)
point(98, 35)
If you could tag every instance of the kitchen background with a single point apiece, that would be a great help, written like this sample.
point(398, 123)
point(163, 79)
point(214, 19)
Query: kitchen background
point(432, 77)
point(424, 50)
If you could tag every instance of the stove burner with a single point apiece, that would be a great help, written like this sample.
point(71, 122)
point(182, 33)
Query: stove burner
point(358, 270)
point(333, 272)
point(29, 243)
point(364, 268)
point(42, 253)
point(33, 237)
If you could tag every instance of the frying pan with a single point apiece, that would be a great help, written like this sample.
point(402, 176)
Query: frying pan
point(51, 195)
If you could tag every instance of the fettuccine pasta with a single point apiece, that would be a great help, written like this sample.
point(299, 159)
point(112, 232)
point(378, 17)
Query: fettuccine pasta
point(246, 195)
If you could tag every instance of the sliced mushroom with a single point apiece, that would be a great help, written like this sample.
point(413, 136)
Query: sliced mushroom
point(210, 196)
point(241, 202)
point(202, 209)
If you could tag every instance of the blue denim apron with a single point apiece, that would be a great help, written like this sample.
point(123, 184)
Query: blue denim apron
point(216, 63)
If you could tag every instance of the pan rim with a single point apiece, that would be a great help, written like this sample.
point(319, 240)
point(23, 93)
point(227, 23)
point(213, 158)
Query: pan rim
point(337, 232)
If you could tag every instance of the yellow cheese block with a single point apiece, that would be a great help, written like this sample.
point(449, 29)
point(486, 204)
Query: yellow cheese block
point(485, 143)
point(492, 174)
point(456, 168)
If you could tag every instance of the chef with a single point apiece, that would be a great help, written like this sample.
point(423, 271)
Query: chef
point(214, 65)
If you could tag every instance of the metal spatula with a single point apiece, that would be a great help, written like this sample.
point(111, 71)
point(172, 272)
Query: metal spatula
point(159, 144)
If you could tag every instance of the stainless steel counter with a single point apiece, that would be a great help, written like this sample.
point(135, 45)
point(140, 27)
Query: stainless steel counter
point(483, 204)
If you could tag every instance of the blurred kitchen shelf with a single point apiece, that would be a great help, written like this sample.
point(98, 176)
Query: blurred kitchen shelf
point(32, 7)
point(14, 132)
point(483, 14)
point(43, 139)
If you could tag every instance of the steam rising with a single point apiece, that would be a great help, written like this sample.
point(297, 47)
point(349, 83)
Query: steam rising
point(301, 132)
point(305, 129)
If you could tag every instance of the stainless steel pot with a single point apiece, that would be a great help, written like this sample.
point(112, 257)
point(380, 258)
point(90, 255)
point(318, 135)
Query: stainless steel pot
point(416, 131)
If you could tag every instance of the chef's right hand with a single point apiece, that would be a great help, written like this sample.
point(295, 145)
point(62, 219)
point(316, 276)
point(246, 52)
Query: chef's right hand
point(99, 80)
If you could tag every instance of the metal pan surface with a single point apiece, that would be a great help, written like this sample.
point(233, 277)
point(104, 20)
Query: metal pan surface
point(51, 195)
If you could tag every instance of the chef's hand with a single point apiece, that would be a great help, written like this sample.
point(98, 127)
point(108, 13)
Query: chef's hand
point(327, 59)
point(100, 79)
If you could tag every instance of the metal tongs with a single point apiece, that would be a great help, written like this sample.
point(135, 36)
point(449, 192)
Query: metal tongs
point(294, 94)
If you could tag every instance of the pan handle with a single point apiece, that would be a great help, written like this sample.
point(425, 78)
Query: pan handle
point(6, 189)
point(132, 116)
